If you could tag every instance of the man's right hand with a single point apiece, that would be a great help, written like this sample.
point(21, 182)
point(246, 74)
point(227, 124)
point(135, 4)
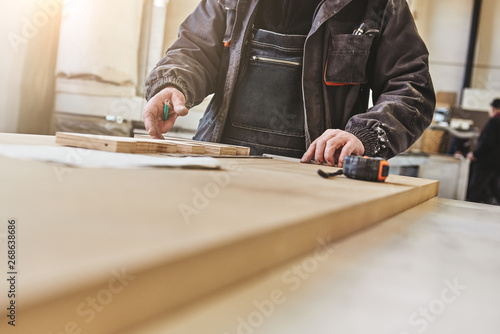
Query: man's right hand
point(153, 112)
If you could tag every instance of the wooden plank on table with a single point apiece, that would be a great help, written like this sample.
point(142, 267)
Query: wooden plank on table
point(183, 146)
point(364, 268)
point(236, 222)
point(157, 146)
point(226, 149)
point(99, 142)
point(170, 146)
point(147, 147)
point(210, 148)
point(186, 148)
point(240, 150)
point(214, 149)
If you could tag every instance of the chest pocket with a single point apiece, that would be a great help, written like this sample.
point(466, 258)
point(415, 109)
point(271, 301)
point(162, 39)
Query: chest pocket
point(347, 59)
point(230, 8)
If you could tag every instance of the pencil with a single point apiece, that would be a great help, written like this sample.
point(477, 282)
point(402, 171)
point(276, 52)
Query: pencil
point(165, 110)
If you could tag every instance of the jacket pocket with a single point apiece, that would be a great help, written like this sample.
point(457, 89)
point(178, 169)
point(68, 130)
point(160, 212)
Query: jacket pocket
point(230, 8)
point(347, 59)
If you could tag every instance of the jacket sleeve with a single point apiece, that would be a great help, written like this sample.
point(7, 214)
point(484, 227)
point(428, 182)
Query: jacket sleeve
point(192, 63)
point(403, 93)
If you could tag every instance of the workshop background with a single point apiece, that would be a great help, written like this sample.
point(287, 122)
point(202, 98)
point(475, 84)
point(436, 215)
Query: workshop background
point(80, 66)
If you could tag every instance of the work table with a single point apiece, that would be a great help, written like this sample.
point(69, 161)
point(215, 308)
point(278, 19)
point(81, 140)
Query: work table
point(205, 245)
point(389, 278)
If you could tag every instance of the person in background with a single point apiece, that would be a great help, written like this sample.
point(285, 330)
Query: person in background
point(485, 179)
point(460, 147)
point(293, 77)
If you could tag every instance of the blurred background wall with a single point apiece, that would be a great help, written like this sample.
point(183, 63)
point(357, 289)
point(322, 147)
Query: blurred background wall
point(29, 31)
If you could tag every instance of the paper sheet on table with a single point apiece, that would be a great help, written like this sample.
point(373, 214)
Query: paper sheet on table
point(78, 157)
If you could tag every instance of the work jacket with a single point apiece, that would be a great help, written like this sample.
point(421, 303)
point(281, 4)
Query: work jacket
point(339, 69)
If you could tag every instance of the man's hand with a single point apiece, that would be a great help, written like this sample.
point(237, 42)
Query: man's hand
point(471, 156)
point(333, 146)
point(153, 112)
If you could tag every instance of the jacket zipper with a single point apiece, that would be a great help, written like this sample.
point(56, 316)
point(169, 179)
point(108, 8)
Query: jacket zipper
point(277, 61)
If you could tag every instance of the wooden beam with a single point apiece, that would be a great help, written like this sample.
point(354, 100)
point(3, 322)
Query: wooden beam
point(242, 220)
point(98, 142)
point(210, 147)
point(239, 150)
point(186, 148)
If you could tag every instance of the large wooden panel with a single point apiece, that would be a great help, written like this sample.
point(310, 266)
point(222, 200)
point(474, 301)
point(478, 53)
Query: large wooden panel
point(433, 269)
point(101, 143)
point(176, 234)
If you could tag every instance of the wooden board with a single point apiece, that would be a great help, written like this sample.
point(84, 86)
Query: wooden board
point(186, 148)
point(156, 146)
point(147, 145)
point(101, 143)
point(172, 236)
point(127, 145)
point(390, 274)
point(221, 149)
point(210, 148)
point(215, 149)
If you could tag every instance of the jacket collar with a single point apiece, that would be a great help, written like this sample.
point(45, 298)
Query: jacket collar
point(327, 10)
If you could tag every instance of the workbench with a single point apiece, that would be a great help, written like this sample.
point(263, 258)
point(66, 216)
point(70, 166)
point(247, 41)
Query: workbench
point(261, 246)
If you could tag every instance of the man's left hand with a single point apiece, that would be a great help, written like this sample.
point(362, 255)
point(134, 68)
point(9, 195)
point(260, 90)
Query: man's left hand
point(333, 146)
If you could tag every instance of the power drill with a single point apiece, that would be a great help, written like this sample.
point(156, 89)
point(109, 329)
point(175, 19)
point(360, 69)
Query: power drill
point(362, 168)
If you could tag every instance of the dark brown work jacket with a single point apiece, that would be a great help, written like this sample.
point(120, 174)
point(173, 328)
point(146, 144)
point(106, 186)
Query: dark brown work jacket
point(339, 70)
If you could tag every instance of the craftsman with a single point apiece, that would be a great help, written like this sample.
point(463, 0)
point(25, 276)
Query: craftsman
point(293, 77)
point(484, 182)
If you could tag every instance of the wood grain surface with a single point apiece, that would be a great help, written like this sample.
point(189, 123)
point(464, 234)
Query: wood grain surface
point(432, 269)
point(147, 145)
point(101, 143)
point(141, 243)
point(211, 148)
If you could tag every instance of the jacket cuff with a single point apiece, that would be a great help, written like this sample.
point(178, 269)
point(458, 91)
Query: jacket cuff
point(369, 138)
point(162, 83)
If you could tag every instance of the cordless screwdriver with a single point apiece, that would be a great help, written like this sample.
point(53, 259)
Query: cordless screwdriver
point(362, 168)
